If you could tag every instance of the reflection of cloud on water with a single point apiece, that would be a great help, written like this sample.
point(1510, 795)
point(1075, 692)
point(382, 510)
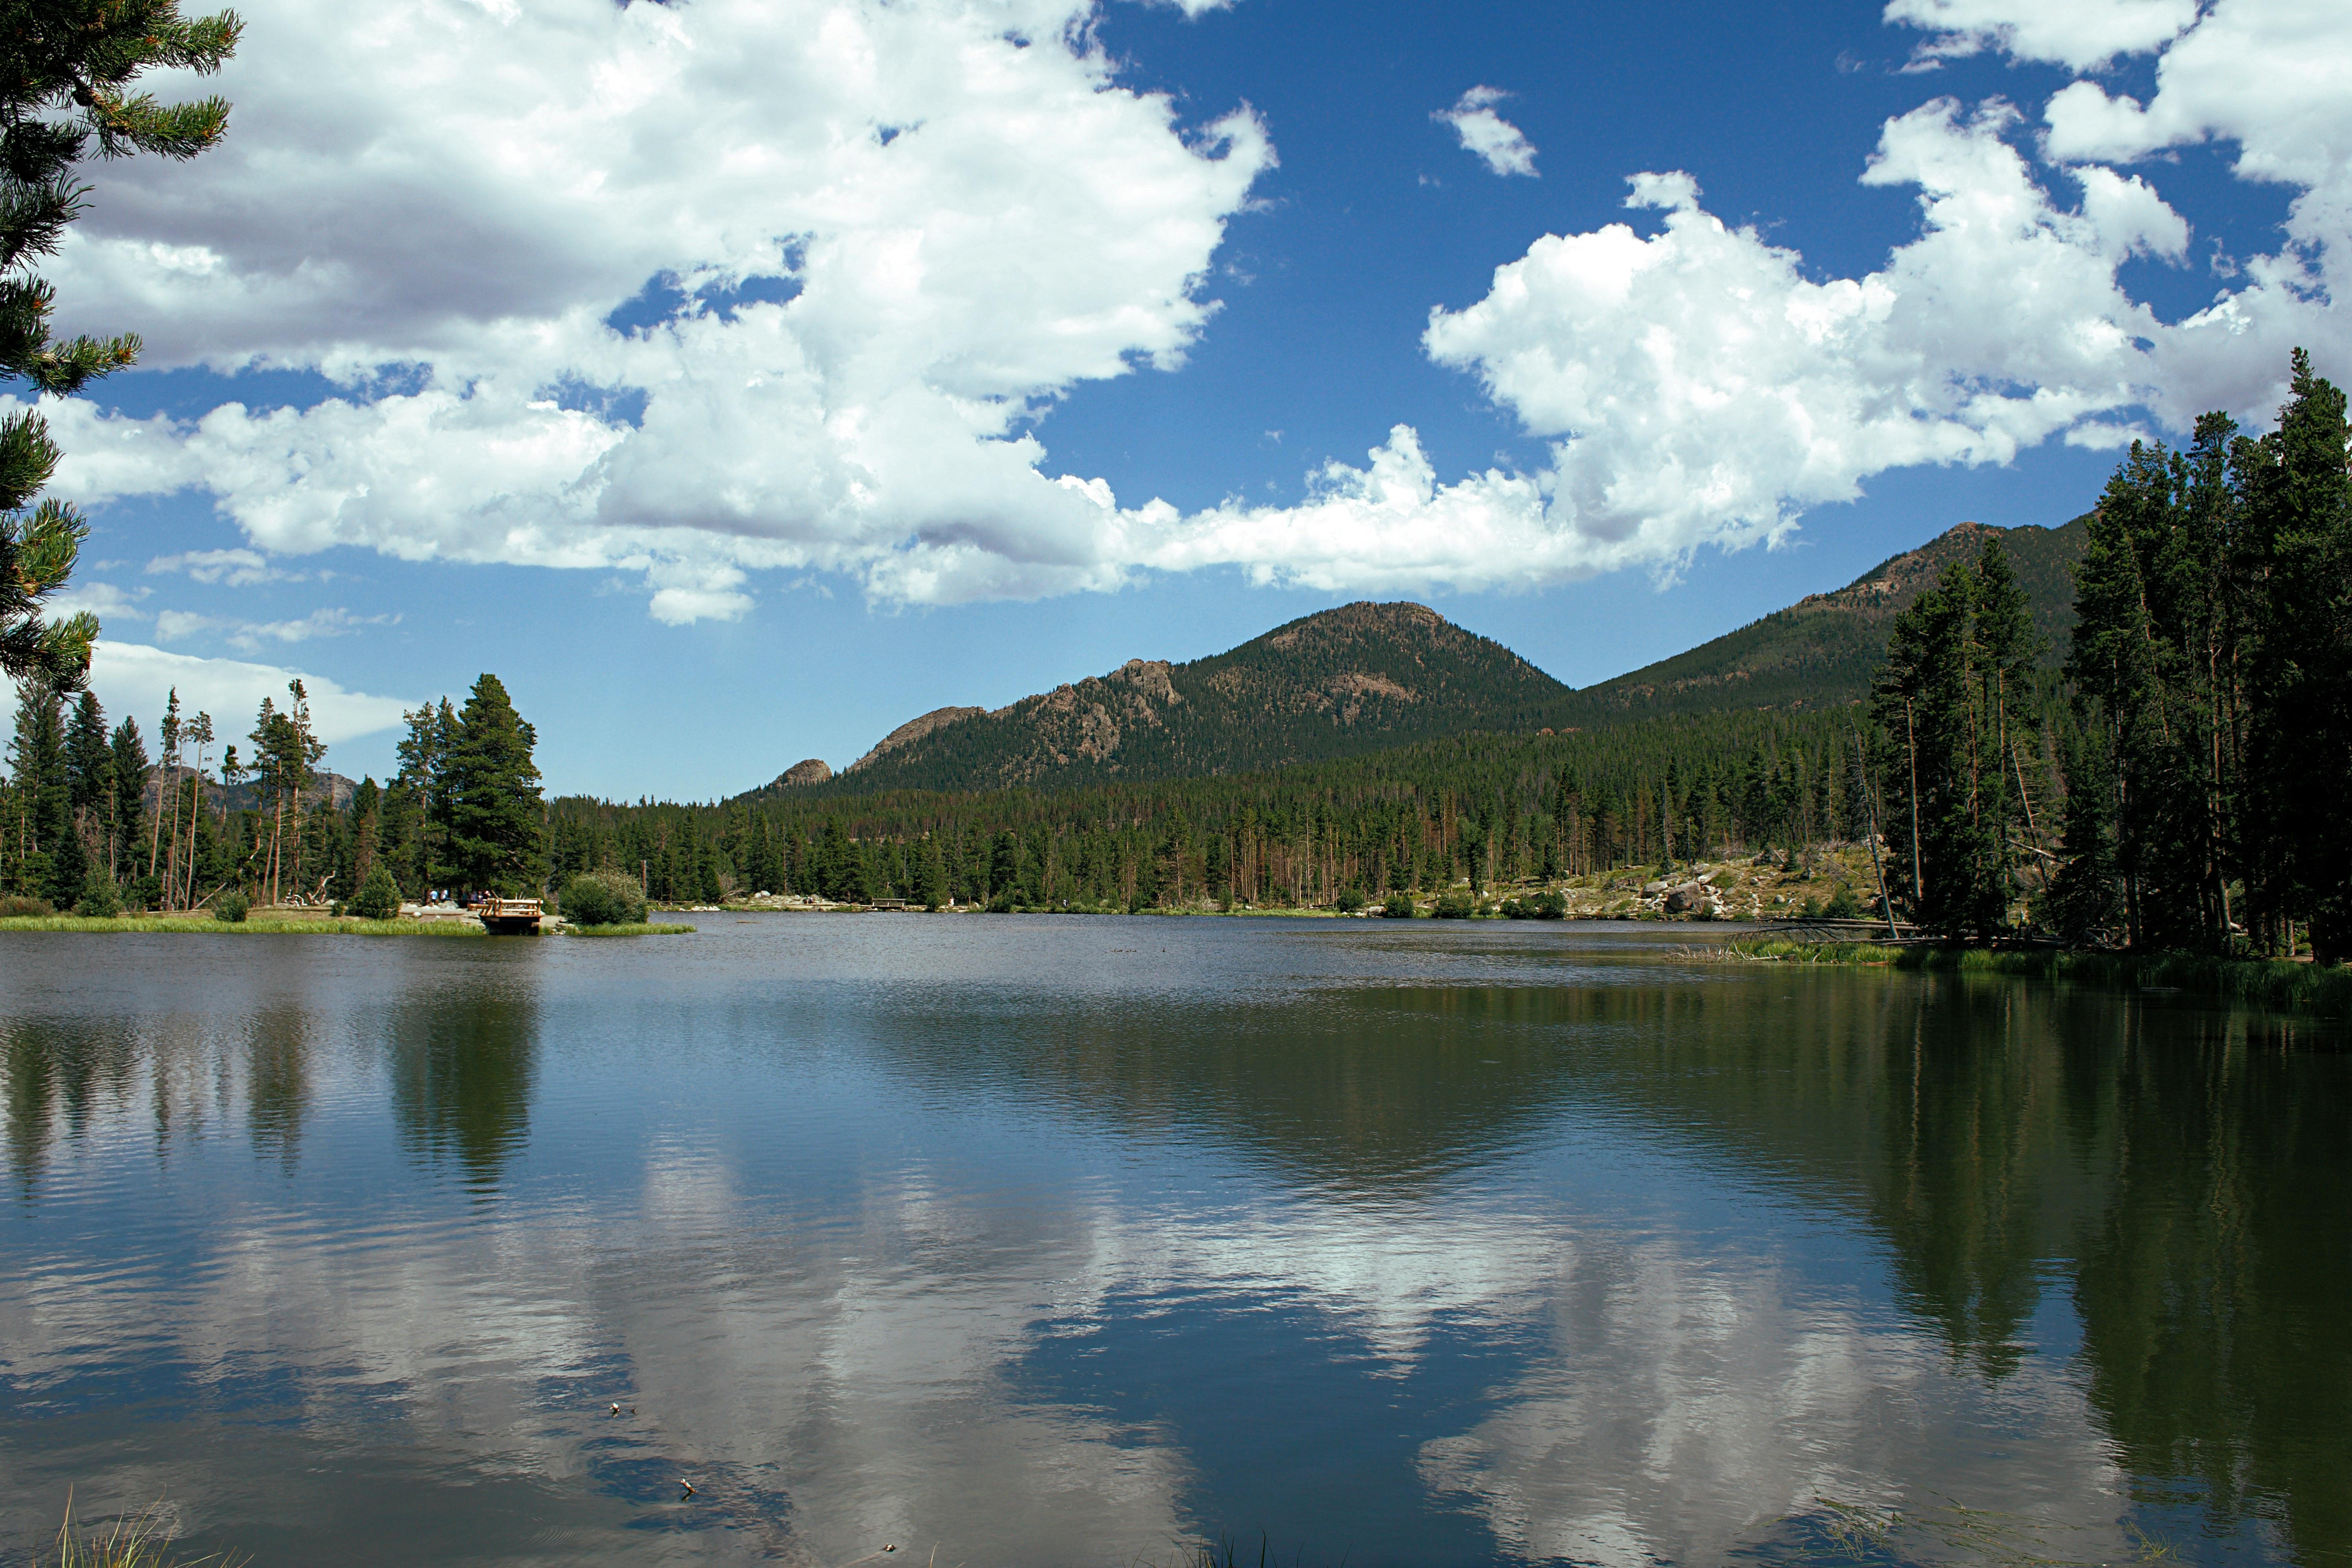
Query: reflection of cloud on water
point(835, 1349)
point(1691, 1404)
point(1392, 1272)
point(1689, 1396)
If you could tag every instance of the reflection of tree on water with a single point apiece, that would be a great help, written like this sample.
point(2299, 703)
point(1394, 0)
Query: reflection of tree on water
point(277, 1082)
point(2186, 1170)
point(1382, 1092)
point(462, 1065)
point(59, 1067)
point(2213, 1289)
point(1976, 1183)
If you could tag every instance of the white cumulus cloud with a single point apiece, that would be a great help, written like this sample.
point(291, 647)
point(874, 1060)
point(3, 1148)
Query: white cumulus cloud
point(248, 637)
point(233, 568)
point(880, 236)
point(855, 246)
point(133, 679)
point(104, 600)
point(2079, 34)
point(1505, 148)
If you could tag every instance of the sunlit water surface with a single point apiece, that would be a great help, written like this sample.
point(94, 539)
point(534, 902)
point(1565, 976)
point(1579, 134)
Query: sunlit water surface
point(1039, 1240)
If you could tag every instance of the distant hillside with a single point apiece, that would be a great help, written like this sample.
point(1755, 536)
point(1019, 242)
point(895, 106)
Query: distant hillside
point(334, 788)
point(1820, 651)
point(1348, 680)
point(1367, 677)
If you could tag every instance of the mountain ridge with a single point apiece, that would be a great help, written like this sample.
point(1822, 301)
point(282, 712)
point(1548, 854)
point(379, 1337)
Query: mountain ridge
point(1359, 678)
point(1822, 650)
point(1365, 676)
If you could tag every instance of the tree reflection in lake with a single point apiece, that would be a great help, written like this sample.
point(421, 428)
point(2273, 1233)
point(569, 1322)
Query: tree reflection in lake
point(462, 1063)
point(2175, 1176)
point(1478, 1245)
point(278, 1049)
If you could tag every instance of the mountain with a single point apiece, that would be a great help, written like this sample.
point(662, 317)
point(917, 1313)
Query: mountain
point(337, 791)
point(1820, 651)
point(1367, 677)
point(1357, 678)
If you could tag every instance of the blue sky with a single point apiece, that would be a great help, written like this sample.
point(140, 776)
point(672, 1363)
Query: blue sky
point(1001, 342)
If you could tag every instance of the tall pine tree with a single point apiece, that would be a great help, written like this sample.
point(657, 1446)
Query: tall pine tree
point(65, 70)
point(126, 831)
point(491, 813)
point(2296, 493)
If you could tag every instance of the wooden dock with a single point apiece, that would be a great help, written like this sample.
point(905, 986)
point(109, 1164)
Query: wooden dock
point(509, 916)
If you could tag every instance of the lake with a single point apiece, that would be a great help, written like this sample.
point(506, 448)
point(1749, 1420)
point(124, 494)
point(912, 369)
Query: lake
point(1051, 1240)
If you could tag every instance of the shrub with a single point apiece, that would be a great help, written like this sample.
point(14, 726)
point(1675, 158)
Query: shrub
point(18, 906)
point(230, 908)
point(602, 898)
point(1454, 906)
point(1397, 908)
point(1349, 901)
point(1842, 905)
point(99, 900)
point(378, 896)
point(1545, 906)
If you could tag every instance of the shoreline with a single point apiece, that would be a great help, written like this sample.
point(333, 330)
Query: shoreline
point(183, 924)
point(2280, 984)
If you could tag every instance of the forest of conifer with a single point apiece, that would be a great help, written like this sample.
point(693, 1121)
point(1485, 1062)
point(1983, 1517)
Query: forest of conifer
point(2158, 781)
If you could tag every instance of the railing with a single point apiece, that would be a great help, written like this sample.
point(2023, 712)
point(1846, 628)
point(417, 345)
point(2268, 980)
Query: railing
point(509, 909)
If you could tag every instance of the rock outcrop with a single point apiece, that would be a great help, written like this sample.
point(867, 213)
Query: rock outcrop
point(907, 733)
point(813, 770)
point(1347, 680)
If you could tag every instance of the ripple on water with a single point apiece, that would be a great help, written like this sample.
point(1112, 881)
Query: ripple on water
point(1067, 1240)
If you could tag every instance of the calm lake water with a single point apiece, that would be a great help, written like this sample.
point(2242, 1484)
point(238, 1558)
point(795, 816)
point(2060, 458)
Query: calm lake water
point(1043, 1241)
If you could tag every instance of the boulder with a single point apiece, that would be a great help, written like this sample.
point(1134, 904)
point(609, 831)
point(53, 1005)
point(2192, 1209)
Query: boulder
point(1689, 896)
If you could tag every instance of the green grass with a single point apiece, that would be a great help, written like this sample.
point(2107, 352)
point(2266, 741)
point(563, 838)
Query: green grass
point(655, 928)
point(2264, 982)
point(205, 925)
point(135, 1542)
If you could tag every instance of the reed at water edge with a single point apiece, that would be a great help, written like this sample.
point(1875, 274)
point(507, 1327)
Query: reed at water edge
point(137, 1541)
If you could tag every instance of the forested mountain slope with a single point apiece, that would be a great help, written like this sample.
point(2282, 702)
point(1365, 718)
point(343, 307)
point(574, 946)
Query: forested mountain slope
point(1819, 652)
point(1337, 684)
point(1366, 677)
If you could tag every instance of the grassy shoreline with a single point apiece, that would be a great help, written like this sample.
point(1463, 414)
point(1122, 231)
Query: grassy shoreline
point(2265, 983)
point(345, 925)
point(323, 925)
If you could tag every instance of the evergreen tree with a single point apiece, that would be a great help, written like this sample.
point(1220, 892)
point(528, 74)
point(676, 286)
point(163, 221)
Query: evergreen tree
point(66, 66)
point(422, 788)
point(399, 837)
point(2150, 646)
point(378, 898)
point(931, 874)
point(367, 808)
point(495, 825)
point(1955, 705)
point(286, 754)
point(126, 772)
point(1004, 870)
point(50, 862)
point(2086, 903)
point(90, 764)
point(2297, 529)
